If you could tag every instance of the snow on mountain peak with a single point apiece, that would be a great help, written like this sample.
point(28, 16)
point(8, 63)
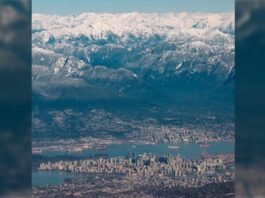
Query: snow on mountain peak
point(97, 26)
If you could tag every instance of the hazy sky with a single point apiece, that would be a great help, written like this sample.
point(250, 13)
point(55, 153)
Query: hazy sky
point(66, 7)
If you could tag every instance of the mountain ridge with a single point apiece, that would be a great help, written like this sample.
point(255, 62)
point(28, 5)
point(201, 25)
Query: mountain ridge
point(92, 69)
point(99, 25)
point(122, 52)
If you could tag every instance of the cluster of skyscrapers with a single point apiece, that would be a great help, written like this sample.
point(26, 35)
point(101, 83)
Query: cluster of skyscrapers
point(142, 165)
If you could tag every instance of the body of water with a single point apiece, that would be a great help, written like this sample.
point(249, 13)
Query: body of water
point(44, 178)
point(186, 150)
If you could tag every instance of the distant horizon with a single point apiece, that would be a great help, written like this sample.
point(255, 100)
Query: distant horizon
point(136, 12)
point(77, 7)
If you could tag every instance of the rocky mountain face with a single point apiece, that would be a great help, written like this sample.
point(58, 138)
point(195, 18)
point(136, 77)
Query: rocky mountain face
point(113, 61)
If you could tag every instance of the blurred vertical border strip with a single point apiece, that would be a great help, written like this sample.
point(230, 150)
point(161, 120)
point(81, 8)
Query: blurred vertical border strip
point(15, 98)
point(250, 98)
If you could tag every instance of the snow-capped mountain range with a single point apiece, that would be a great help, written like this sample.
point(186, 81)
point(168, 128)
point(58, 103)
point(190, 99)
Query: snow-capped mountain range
point(198, 26)
point(117, 55)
